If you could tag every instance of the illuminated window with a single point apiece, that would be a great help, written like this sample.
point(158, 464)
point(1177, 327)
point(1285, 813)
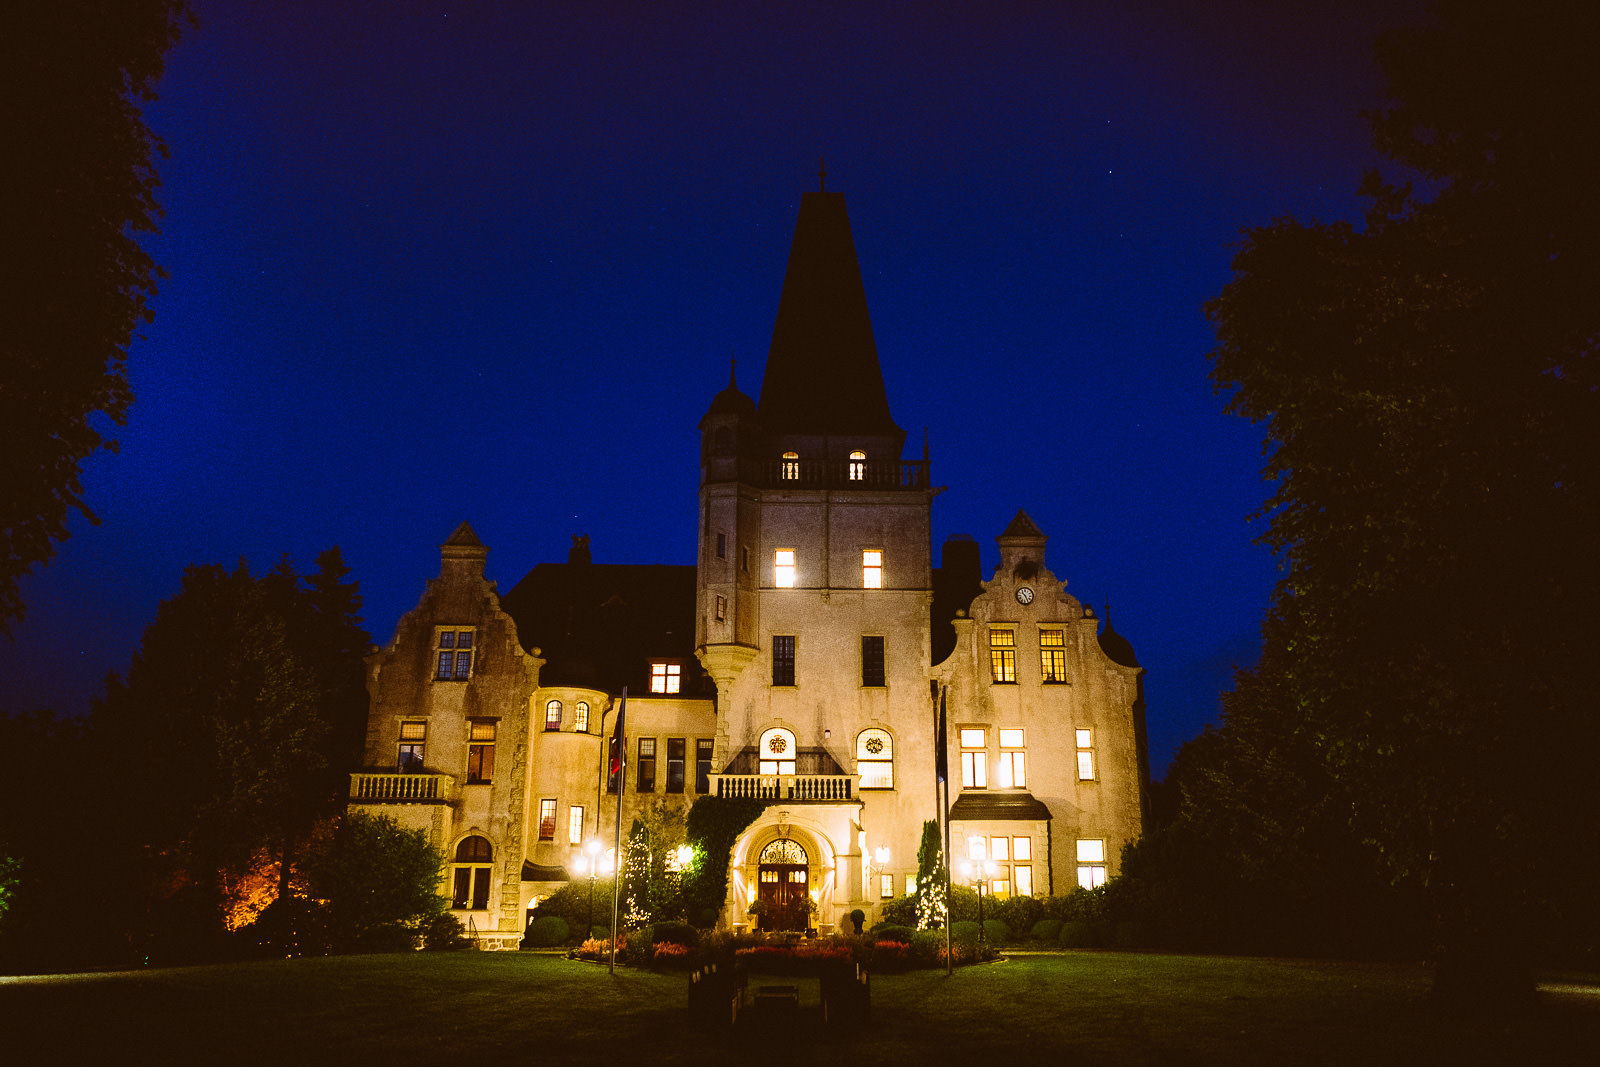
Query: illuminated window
point(702, 764)
point(413, 736)
point(791, 466)
point(1003, 655)
point(1013, 760)
point(974, 759)
point(1000, 849)
point(645, 780)
point(872, 569)
point(1022, 874)
point(455, 656)
point(1022, 848)
point(872, 660)
point(858, 466)
point(575, 824)
point(776, 751)
point(1000, 887)
point(783, 659)
point(1053, 656)
point(665, 677)
point(875, 759)
point(552, 715)
point(783, 568)
point(722, 608)
point(977, 848)
point(1091, 863)
point(471, 882)
point(480, 752)
point(886, 886)
point(547, 820)
point(580, 716)
point(911, 884)
point(1085, 756)
point(675, 749)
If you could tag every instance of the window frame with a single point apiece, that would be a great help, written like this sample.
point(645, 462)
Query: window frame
point(857, 469)
point(872, 568)
point(875, 770)
point(1003, 655)
point(575, 824)
point(1013, 759)
point(666, 677)
point(1052, 655)
point(974, 759)
point(785, 650)
point(785, 570)
point(1084, 739)
point(580, 716)
point(675, 764)
point(704, 752)
point(874, 661)
point(455, 653)
point(644, 775)
point(418, 742)
point(552, 725)
point(480, 751)
point(547, 818)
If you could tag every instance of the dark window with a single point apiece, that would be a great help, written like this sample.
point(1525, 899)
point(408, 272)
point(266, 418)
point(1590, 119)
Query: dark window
point(645, 781)
point(702, 765)
point(744, 559)
point(474, 850)
point(674, 764)
point(722, 607)
point(722, 546)
point(872, 660)
point(783, 659)
point(471, 884)
point(455, 659)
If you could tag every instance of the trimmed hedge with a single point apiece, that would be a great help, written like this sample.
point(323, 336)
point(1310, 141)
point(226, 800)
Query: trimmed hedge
point(965, 930)
point(546, 932)
point(996, 932)
point(675, 932)
point(886, 932)
point(1046, 930)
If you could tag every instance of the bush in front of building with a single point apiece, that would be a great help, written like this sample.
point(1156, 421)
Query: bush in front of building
point(965, 931)
point(1083, 933)
point(901, 911)
point(546, 931)
point(444, 933)
point(887, 932)
point(1046, 930)
point(676, 933)
point(996, 931)
point(575, 903)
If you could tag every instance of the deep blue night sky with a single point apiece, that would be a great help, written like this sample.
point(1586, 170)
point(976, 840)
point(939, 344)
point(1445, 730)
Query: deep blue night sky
point(438, 261)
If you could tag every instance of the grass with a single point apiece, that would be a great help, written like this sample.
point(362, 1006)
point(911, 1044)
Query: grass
point(1079, 1008)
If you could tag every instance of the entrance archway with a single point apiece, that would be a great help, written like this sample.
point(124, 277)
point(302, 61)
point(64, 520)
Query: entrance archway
point(783, 879)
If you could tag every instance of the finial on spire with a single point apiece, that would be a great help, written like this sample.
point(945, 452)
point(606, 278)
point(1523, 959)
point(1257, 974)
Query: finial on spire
point(733, 363)
point(822, 173)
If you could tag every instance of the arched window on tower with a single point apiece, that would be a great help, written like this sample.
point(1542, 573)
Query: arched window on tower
point(552, 715)
point(471, 877)
point(791, 466)
point(875, 759)
point(858, 466)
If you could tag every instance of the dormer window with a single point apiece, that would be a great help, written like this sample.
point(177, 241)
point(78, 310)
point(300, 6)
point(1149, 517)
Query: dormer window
point(665, 677)
point(455, 656)
point(858, 466)
point(790, 471)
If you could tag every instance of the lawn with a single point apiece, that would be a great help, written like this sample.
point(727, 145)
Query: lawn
point(1074, 1008)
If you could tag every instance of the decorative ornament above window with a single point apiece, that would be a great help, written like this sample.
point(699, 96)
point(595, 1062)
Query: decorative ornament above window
point(777, 743)
point(875, 745)
point(783, 850)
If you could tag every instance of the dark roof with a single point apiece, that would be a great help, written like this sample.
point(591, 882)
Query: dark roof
point(600, 624)
point(732, 400)
point(822, 373)
point(1023, 527)
point(1115, 646)
point(538, 872)
point(464, 537)
point(1018, 807)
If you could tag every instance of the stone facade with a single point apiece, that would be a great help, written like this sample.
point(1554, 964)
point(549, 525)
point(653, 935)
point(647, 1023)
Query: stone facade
point(800, 660)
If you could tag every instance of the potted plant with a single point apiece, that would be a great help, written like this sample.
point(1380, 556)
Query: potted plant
point(758, 908)
point(811, 916)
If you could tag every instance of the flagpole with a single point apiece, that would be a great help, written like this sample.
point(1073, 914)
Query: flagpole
point(619, 762)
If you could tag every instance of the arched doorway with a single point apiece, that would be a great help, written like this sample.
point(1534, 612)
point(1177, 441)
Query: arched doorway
point(783, 880)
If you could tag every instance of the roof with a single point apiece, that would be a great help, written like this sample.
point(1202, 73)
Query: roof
point(732, 400)
point(1116, 647)
point(1018, 807)
point(539, 872)
point(1023, 528)
point(464, 537)
point(822, 374)
point(599, 625)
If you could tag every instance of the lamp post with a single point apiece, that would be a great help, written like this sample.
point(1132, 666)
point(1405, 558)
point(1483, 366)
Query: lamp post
point(592, 847)
point(979, 873)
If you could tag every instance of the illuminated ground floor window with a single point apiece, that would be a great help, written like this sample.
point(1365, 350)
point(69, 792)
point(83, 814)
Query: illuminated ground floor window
point(1091, 863)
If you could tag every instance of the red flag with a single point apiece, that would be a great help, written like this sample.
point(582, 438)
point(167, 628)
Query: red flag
point(618, 737)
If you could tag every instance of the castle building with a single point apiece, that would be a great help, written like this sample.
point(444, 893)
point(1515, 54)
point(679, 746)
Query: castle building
point(798, 661)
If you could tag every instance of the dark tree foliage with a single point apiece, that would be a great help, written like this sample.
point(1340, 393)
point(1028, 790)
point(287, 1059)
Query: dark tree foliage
point(381, 882)
point(80, 180)
point(236, 725)
point(1429, 393)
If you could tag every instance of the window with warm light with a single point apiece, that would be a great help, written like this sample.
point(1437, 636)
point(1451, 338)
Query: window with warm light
point(776, 752)
point(1022, 870)
point(722, 608)
point(1091, 863)
point(471, 881)
point(1003, 654)
point(645, 777)
point(872, 661)
point(575, 824)
point(911, 884)
point(858, 466)
point(552, 715)
point(974, 759)
point(580, 716)
point(886, 887)
point(872, 568)
point(1013, 760)
point(455, 655)
point(1085, 755)
point(1053, 656)
point(783, 659)
point(665, 677)
point(791, 466)
point(413, 737)
point(875, 759)
point(547, 819)
point(480, 752)
point(783, 568)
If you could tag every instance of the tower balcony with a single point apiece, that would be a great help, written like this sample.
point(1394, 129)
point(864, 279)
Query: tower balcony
point(402, 788)
point(843, 474)
point(787, 787)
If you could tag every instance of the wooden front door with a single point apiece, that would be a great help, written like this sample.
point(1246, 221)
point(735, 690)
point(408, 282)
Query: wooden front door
point(783, 891)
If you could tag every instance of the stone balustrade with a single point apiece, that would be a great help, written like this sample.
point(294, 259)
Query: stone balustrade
point(402, 788)
point(784, 786)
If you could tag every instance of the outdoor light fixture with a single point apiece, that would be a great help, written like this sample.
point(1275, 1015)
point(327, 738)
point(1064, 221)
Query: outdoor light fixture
point(882, 855)
point(681, 858)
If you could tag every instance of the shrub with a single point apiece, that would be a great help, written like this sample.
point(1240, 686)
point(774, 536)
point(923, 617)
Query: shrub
point(1080, 933)
point(637, 943)
point(1018, 913)
point(996, 932)
point(593, 949)
point(289, 926)
point(444, 933)
point(670, 954)
point(902, 934)
point(857, 917)
point(546, 932)
point(902, 911)
point(674, 933)
point(571, 902)
point(927, 947)
point(1046, 930)
point(891, 955)
point(965, 931)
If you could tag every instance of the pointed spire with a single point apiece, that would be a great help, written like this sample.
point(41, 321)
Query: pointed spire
point(1023, 528)
point(1116, 647)
point(463, 549)
point(822, 374)
point(464, 537)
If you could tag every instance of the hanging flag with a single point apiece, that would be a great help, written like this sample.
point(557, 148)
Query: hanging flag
point(941, 761)
point(618, 737)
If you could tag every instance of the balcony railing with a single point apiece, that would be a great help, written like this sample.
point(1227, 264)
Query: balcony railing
point(844, 474)
point(403, 788)
point(784, 786)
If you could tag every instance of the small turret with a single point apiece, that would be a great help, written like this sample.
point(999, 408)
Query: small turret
point(1022, 548)
point(462, 554)
point(729, 435)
